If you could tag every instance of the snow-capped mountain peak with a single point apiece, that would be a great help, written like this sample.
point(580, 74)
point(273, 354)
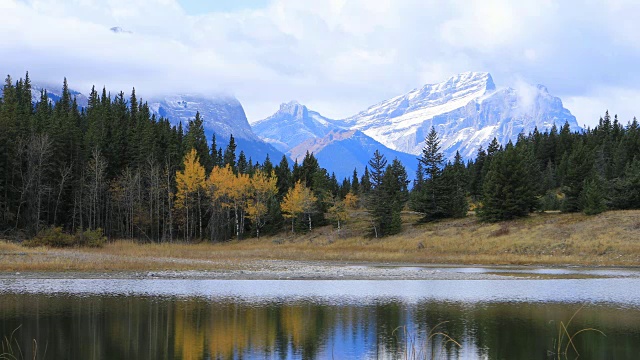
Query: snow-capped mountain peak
point(467, 110)
point(291, 125)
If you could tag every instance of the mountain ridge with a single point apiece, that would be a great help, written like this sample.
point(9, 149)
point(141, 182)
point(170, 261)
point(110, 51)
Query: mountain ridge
point(467, 110)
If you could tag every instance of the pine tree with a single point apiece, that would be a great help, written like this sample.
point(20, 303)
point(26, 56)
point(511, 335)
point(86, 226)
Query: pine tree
point(365, 182)
point(593, 201)
point(243, 165)
point(230, 154)
point(432, 198)
point(355, 185)
point(196, 139)
point(215, 160)
point(507, 187)
point(283, 173)
point(378, 163)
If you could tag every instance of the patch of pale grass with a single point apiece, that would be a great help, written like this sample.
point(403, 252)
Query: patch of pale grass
point(611, 238)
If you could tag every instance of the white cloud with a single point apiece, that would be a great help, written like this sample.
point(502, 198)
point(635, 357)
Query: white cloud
point(336, 56)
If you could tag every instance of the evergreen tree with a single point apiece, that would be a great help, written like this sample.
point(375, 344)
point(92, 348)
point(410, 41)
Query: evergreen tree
point(230, 154)
point(355, 185)
point(243, 165)
point(432, 198)
point(593, 201)
point(283, 173)
point(215, 160)
point(378, 163)
point(507, 187)
point(196, 139)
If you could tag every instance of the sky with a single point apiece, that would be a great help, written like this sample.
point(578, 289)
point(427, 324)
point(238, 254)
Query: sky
point(335, 56)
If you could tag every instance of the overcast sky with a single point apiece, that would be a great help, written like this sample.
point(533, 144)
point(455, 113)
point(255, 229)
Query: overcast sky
point(336, 56)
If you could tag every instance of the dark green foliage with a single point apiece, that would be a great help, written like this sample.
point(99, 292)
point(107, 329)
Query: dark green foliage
point(230, 154)
point(378, 164)
point(454, 181)
point(196, 139)
point(435, 195)
point(283, 173)
point(355, 184)
point(579, 167)
point(509, 191)
point(385, 201)
point(593, 201)
point(365, 182)
point(243, 165)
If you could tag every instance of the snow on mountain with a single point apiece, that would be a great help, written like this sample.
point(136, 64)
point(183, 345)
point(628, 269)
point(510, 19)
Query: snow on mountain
point(291, 125)
point(222, 115)
point(54, 92)
point(340, 151)
point(467, 111)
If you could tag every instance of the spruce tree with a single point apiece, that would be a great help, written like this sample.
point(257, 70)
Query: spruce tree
point(593, 201)
point(355, 185)
point(230, 154)
point(378, 164)
point(365, 182)
point(432, 197)
point(507, 187)
point(283, 173)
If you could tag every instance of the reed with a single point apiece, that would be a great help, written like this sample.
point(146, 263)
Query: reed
point(11, 349)
point(564, 343)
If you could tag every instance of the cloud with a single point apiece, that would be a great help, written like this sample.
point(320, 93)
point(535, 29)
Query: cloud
point(336, 56)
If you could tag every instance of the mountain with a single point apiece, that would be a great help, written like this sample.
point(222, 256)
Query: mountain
point(291, 125)
point(54, 92)
point(340, 151)
point(222, 115)
point(467, 111)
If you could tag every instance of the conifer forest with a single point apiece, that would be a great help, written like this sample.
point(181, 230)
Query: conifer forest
point(115, 168)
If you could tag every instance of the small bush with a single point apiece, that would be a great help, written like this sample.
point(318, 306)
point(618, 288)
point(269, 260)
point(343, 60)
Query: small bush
point(91, 238)
point(51, 237)
point(56, 238)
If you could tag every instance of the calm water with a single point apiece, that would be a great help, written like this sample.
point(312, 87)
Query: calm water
point(246, 319)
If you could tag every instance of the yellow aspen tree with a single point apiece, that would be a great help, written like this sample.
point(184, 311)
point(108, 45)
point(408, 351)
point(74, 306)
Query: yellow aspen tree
point(189, 183)
point(298, 200)
point(232, 190)
point(351, 201)
point(338, 212)
point(263, 187)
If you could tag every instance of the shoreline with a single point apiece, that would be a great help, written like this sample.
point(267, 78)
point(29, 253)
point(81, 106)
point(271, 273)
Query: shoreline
point(331, 270)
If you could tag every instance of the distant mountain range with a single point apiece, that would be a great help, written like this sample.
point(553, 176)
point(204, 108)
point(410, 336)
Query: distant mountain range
point(222, 115)
point(467, 110)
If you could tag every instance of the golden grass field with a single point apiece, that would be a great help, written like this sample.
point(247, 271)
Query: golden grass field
point(609, 239)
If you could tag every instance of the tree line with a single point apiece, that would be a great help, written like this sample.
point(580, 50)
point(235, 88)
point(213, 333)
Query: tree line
point(117, 167)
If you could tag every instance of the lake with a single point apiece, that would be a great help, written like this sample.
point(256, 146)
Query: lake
point(324, 319)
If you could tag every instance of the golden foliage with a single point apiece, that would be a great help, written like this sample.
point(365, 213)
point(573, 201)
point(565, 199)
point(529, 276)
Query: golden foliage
point(262, 187)
point(298, 200)
point(189, 180)
point(351, 201)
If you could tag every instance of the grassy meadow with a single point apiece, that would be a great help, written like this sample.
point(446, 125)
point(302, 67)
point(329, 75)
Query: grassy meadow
point(609, 239)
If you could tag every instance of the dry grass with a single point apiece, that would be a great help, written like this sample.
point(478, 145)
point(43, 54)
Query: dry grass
point(611, 238)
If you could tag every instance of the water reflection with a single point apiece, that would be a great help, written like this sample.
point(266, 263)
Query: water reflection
point(107, 326)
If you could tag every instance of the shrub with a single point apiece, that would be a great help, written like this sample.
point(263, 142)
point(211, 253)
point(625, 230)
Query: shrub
point(91, 238)
point(55, 237)
point(52, 237)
